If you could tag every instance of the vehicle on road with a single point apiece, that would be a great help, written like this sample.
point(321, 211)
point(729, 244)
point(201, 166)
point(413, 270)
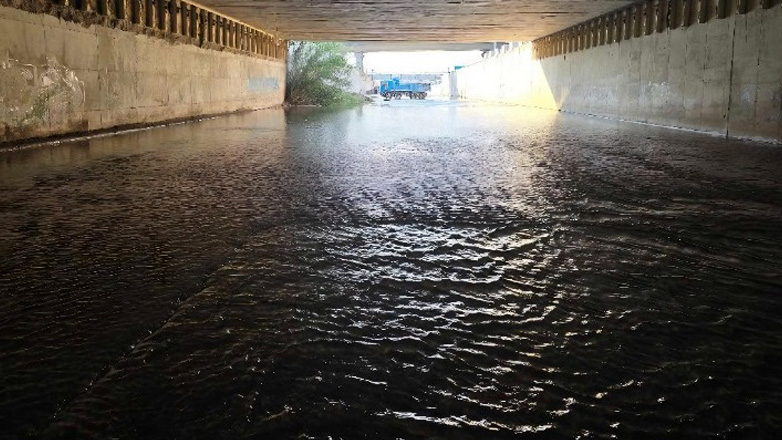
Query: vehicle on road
point(394, 89)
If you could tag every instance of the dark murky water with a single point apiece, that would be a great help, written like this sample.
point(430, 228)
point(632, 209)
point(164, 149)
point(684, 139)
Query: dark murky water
point(414, 270)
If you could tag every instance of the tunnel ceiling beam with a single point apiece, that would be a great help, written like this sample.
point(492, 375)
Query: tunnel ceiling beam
point(414, 20)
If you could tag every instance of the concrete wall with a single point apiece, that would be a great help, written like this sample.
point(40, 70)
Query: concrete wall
point(723, 76)
point(59, 77)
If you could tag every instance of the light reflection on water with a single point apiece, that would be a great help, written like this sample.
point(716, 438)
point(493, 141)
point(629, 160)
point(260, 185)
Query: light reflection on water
point(404, 270)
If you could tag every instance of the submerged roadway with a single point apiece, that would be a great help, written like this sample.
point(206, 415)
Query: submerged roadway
point(407, 269)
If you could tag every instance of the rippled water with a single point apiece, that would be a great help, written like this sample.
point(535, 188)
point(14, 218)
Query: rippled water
point(408, 270)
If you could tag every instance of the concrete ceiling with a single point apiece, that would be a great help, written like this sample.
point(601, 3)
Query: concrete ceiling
point(413, 20)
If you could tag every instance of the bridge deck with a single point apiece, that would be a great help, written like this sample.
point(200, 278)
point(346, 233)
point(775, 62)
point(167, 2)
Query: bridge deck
point(413, 20)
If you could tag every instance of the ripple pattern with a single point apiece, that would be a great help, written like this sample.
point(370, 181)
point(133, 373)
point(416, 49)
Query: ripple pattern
point(490, 272)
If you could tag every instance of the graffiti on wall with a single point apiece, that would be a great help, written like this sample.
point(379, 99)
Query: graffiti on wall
point(262, 84)
point(36, 95)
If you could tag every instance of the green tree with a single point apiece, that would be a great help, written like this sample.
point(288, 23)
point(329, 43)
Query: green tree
point(318, 73)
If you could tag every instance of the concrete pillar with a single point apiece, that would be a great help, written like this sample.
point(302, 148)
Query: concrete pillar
point(160, 12)
point(173, 16)
point(359, 61)
point(687, 12)
point(703, 11)
point(217, 29)
point(207, 27)
point(610, 28)
point(121, 9)
point(149, 13)
point(184, 18)
point(661, 19)
point(195, 21)
point(677, 7)
point(102, 7)
point(135, 11)
point(722, 9)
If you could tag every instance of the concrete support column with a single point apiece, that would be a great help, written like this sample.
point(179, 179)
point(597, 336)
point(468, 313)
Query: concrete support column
point(722, 9)
point(638, 21)
point(207, 27)
point(102, 7)
point(217, 24)
point(121, 9)
point(589, 31)
point(135, 11)
point(677, 7)
point(662, 15)
point(160, 12)
point(687, 12)
point(173, 16)
point(703, 11)
point(610, 28)
point(359, 61)
point(195, 21)
point(184, 18)
point(149, 13)
point(648, 18)
point(573, 41)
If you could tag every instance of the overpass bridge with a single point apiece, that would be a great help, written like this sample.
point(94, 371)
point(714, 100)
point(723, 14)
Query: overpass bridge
point(459, 21)
point(88, 65)
point(413, 46)
point(411, 269)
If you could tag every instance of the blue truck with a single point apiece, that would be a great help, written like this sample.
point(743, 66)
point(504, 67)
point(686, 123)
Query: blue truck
point(393, 89)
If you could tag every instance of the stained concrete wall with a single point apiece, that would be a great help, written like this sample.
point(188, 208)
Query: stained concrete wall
point(59, 77)
point(723, 76)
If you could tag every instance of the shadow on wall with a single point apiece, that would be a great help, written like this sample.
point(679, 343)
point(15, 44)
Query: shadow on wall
point(723, 76)
point(61, 77)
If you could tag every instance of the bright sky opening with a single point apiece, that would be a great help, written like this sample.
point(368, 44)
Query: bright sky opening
point(418, 62)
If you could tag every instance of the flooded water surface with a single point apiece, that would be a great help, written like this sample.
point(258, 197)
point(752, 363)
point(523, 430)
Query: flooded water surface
point(405, 270)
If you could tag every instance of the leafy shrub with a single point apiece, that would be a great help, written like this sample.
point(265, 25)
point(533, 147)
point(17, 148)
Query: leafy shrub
point(317, 74)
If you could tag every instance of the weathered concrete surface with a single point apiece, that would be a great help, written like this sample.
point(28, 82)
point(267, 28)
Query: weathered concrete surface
point(413, 20)
point(724, 76)
point(58, 77)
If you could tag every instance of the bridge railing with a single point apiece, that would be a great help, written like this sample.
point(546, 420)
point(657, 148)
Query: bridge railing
point(641, 19)
point(174, 20)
